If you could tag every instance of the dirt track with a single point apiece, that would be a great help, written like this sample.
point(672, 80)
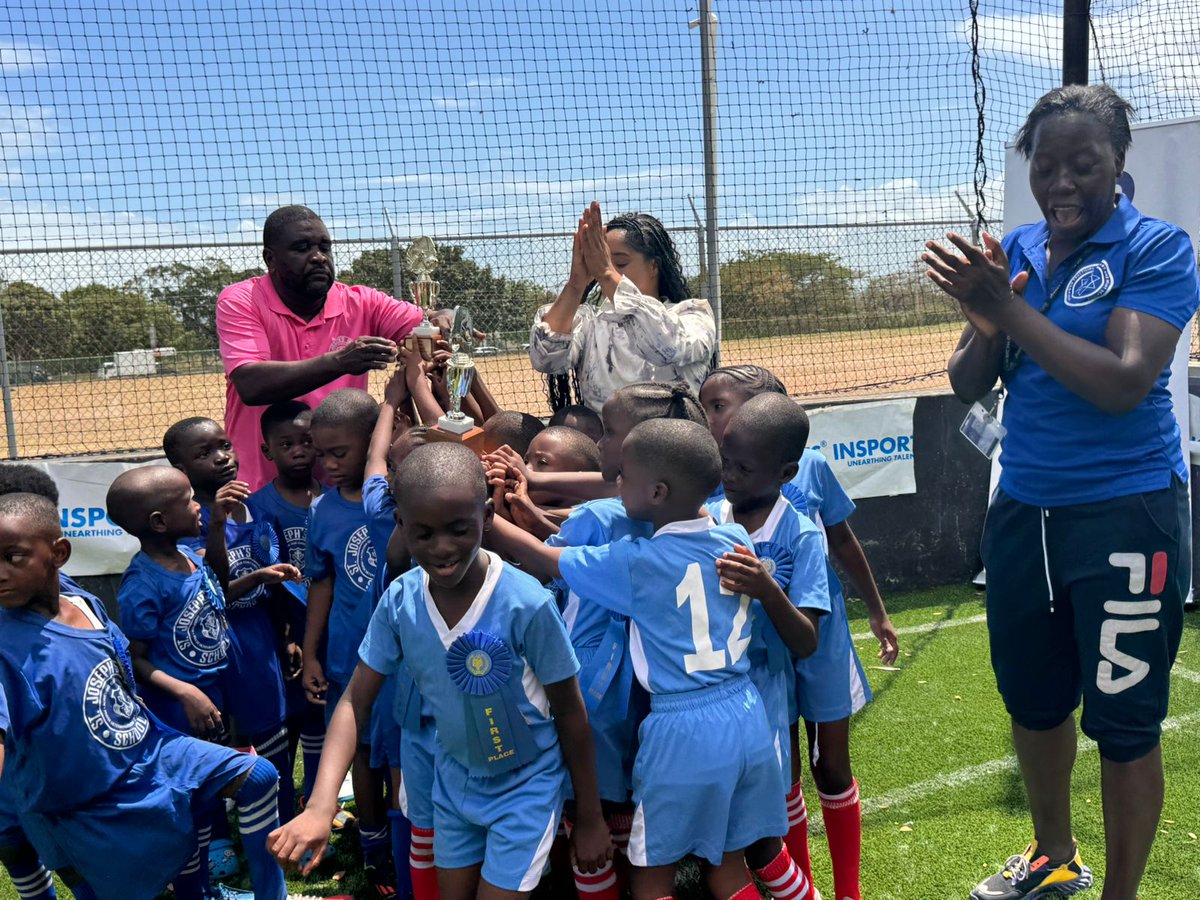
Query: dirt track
point(132, 413)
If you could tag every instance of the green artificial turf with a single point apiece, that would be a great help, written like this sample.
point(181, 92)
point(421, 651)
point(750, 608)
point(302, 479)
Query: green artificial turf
point(943, 804)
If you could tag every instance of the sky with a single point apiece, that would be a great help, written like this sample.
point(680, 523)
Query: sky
point(128, 123)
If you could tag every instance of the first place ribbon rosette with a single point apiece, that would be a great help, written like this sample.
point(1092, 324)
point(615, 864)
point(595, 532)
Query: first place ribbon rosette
point(480, 665)
point(779, 562)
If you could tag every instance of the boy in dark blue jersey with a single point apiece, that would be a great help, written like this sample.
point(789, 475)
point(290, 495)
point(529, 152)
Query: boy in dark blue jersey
point(19, 858)
point(341, 563)
point(256, 607)
point(126, 821)
point(284, 503)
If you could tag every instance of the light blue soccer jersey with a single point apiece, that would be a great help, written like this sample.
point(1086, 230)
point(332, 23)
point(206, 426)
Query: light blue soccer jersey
point(487, 672)
point(593, 524)
point(180, 617)
point(340, 547)
point(685, 631)
point(828, 502)
point(795, 550)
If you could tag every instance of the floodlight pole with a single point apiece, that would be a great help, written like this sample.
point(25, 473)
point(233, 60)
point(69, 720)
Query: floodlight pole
point(707, 24)
point(394, 253)
point(1075, 41)
point(10, 424)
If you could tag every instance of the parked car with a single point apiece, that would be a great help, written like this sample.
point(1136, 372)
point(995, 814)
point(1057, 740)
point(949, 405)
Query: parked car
point(486, 350)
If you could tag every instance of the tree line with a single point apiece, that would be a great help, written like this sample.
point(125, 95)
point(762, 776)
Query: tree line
point(764, 293)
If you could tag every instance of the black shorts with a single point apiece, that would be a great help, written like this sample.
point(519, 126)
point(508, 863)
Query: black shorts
point(1086, 602)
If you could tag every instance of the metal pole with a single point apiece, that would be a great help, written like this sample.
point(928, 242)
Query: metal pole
point(10, 423)
point(394, 253)
point(702, 248)
point(708, 80)
point(1075, 41)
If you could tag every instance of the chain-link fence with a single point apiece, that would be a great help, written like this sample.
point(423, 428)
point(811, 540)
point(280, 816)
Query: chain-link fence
point(141, 148)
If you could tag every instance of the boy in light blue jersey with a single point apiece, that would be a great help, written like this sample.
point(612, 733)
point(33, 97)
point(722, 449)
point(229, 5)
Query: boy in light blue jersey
point(600, 636)
point(341, 562)
point(830, 683)
point(707, 779)
point(283, 503)
point(489, 651)
point(758, 453)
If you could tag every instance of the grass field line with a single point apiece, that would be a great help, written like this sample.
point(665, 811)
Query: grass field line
point(927, 627)
point(954, 780)
point(1185, 673)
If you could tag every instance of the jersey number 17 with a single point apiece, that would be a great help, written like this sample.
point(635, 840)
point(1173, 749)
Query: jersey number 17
point(706, 657)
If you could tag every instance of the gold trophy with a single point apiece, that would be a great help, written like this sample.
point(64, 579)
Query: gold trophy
point(421, 258)
point(456, 425)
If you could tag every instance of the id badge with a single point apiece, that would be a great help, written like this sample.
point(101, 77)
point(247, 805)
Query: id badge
point(983, 430)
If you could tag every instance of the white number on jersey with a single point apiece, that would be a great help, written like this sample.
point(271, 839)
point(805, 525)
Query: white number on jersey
point(706, 657)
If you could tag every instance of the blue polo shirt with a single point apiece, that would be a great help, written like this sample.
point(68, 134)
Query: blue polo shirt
point(1061, 450)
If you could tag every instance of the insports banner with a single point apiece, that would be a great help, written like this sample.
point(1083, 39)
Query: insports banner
point(869, 446)
point(98, 545)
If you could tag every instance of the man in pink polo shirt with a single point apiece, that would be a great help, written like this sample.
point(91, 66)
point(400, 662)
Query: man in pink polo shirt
point(295, 333)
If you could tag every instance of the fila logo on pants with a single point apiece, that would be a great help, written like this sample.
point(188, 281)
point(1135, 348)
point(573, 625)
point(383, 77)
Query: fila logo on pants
point(1135, 616)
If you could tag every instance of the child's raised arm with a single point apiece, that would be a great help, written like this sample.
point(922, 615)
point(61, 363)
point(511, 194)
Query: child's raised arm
point(527, 551)
point(311, 829)
point(744, 573)
point(394, 394)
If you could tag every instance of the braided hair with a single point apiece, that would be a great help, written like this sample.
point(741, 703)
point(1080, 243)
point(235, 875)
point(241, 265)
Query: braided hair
point(645, 400)
point(646, 235)
point(754, 380)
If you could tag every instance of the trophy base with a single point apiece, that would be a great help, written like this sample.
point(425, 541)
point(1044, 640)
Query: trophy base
point(471, 438)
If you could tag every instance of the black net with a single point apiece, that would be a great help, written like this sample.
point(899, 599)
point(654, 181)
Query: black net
point(142, 146)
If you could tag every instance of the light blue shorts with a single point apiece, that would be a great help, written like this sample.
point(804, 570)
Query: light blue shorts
point(830, 684)
point(507, 822)
point(707, 780)
point(774, 688)
point(418, 746)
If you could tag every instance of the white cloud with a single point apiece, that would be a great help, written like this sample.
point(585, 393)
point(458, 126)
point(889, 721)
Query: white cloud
point(269, 202)
point(1151, 42)
point(26, 127)
point(498, 81)
point(17, 58)
point(897, 201)
point(456, 103)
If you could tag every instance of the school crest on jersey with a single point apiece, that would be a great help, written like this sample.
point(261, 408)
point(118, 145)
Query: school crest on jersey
point(113, 717)
point(242, 562)
point(199, 632)
point(1089, 284)
point(359, 560)
point(295, 538)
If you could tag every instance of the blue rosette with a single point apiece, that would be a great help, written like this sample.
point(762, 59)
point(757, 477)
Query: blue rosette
point(479, 663)
point(778, 560)
point(266, 544)
point(795, 495)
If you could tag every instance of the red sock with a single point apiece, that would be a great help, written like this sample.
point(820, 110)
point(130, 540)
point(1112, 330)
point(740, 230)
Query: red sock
point(783, 878)
point(843, 829)
point(796, 840)
point(619, 826)
point(600, 885)
point(420, 862)
point(749, 892)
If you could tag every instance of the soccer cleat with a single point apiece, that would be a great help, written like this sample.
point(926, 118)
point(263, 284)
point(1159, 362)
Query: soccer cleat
point(223, 860)
point(381, 883)
point(1030, 875)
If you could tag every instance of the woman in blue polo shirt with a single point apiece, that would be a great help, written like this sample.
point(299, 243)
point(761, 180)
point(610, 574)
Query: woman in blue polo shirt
point(1087, 539)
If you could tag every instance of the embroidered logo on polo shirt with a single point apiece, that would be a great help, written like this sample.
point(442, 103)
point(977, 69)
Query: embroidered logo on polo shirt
point(1089, 284)
point(339, 342)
